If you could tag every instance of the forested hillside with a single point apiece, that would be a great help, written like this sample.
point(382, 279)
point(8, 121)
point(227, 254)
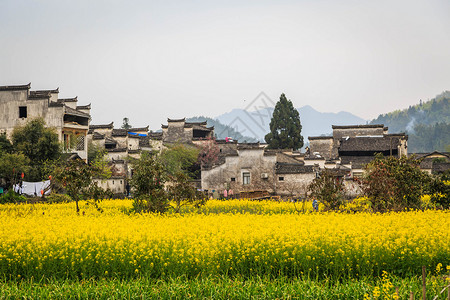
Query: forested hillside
point(427, 124)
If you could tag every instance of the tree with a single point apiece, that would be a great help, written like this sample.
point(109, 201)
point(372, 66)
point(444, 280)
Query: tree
point(147, 184)
point(180, 158)
point(12, 165)
point(208, 153)
point(38, 143)
point(328, 189)
point(126, 125)
point(5, 144)
point(182, 192)
point(393, 183)
point(75, 176)
point(285, 126)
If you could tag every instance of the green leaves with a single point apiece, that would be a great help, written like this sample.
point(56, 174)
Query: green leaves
point(285, 126)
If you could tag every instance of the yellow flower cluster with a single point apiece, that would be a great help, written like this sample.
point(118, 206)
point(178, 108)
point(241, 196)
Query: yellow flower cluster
point(242, 238)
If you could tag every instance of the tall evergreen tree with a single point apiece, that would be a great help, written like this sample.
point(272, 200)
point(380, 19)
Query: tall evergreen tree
point(126, 124)
point(285, 126)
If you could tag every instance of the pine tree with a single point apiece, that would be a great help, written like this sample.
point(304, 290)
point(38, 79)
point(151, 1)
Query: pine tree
point(285, 126)
point(126, 125)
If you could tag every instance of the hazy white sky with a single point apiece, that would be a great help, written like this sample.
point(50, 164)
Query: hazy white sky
point(149, 60)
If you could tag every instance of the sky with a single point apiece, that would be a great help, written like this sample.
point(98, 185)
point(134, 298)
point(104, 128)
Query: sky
point(153, 60)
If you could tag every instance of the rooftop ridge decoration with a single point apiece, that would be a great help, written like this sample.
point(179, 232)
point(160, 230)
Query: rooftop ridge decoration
point(176, 120)
point(74, 99)
point(102, 126)
point(55, 91)
point(197, 123)
point(84, 106)
point(319, 137)
point(15, 87)
point(358, 126)
point(139, 128)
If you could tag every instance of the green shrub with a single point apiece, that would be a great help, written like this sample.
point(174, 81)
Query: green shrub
point(12, 197)
point(59, 198)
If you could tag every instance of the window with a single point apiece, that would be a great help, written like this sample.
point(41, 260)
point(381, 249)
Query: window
point(233, 179)
point(22, 111)
point(280, 178)
point(80, 143)
point(246, 178)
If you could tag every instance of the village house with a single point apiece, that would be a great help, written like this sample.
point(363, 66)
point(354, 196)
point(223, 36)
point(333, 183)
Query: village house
point(434, 163)
point(180, 131)
point(120, 144)
point(252, 169)
point(354, 146)
point(19, 104)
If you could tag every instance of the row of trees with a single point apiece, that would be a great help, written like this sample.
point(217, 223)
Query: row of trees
point(389, 183)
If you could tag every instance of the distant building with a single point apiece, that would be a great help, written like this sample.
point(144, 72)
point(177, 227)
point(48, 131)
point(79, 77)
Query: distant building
point(120, 144)
point(180, 131)
point(18, 104)
point(354, 146)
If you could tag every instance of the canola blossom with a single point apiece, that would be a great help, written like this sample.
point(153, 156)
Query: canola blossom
point(222, 238)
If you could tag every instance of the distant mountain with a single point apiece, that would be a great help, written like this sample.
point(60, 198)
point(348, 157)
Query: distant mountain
point(427, 124)
point(222, 131)
point(314, 123)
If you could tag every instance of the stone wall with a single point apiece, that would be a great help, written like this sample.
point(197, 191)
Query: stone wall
point(321, 145)
point(230, 174)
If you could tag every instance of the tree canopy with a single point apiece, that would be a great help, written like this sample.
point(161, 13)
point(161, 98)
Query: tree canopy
point(285, 126)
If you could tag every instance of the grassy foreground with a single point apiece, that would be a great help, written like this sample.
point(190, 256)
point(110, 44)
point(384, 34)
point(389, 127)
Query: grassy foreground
point(222, 288)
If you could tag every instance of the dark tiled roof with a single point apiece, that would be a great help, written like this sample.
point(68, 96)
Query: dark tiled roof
point(426, 163)
point(119, 132)
point(287, 168)
point(139, 129)
point(55, 91)
point(155, 135)
point(64, 100)
point(319, 137)
point(197, 123)
point(176, 120)
point(357, 162)
point(84, 106)
point(225, 142)
point(110, 141)
point(200, 127)
point(440, 167)
point(249, 146)
point(134, 151)
point(71, 111)
point(97, 136)
point(15, 87)
point(103, 126)
point(357, 126)
point(369, 144)
point(133, 136)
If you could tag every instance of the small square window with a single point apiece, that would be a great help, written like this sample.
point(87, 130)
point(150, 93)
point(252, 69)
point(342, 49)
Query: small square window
point(281, 178)
point(22, 112)
point(233, 179)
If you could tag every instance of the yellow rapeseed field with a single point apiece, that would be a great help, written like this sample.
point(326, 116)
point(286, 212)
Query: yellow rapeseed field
point(241, 238)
